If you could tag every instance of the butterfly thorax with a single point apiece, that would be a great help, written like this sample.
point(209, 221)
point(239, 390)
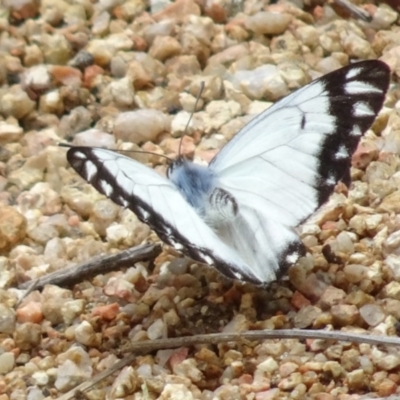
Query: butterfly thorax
point(199, 187)
point(195, 182)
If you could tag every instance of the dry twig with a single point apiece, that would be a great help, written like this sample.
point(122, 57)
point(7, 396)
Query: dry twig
point(97, 265)
point(152, 345)
point(354, 11)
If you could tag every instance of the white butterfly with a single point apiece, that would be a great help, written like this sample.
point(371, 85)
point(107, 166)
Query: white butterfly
point(239, 213)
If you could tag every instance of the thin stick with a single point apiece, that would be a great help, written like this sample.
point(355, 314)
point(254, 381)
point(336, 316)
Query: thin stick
point(97, 265)
point(99, 377)
point(355, 11)
point(191, 115)
point(71, 146)
point(149, 346)
point(215, 338)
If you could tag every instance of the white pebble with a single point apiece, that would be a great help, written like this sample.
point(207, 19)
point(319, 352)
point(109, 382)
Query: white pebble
point(157, 330)
point(40, 378)
point(7, 362)
point(141, 125)
point(268, 23)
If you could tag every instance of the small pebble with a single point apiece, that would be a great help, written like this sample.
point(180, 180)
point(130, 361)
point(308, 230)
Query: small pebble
point(7, 362)
point(372, 314)
point(268, 23)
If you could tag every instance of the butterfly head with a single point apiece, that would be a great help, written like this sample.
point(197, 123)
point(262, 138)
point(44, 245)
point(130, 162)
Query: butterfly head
point(174, 165)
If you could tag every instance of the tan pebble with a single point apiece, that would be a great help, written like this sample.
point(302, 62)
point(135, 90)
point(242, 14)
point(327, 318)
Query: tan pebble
point(328, 64)
point(27, 335)
point(120, 288)
point(332, 296)
point(148, 124)
point(51, 102)
point(9, 132)
point(12, 227)
point(344, 314)
point(299, 301)
point(72, 309)
point(245, 379)
point(157, 330)
point(16, 102)
point(140, 76)
point(64, 75)
point(31, 312)
point(84, 333)
point(178, 11)
point(125, 383)
point(178, 356)
point(101, 52)
point(383, 17)
point(270, 394)
point(356, 379)
point(183, 66)
point(74, 367)
point(21, 10)
point(306, 316)
point(387, 362)
point(392, 290)
point(386, 388)
point(120, 93)
point(311, 286)
point(392, 307)
point(313, 366)
point(90, 75)
point(390, 203)
point(324, 396)
point(359, 298)
point(372, 314)
point(172, 147)
point(53, 299)
point(354, 273)
point(287, 368)
point(176, 391)
point(230, 54)
point(164, 47)
point(334, 368)
point(188, 368)
point(308, 35)
point(7, 362)
point(291, 381)
point(268, 23)
point(94, 137)
point(33, 55)
point(366, 152)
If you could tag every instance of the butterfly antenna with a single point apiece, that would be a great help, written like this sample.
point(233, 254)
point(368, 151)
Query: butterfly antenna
point(191, 115)
point(122, 151)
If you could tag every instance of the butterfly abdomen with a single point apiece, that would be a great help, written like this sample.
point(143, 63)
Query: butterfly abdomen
point(221, 207)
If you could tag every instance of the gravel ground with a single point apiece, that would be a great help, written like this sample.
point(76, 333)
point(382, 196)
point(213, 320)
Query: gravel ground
point(124, 75)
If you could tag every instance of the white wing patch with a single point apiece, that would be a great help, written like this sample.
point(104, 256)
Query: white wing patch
point(353, 72)
point(356, 131)
point(106, 188)
point(342, 153)
point(90, 170)
point(362, 109)
point(358, 87)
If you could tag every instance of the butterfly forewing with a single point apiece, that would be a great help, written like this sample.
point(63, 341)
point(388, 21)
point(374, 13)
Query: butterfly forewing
point(276, 171)
point(157, 202)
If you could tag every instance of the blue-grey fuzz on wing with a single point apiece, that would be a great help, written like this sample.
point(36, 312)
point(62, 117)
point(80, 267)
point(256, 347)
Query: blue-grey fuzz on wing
point(239, 213)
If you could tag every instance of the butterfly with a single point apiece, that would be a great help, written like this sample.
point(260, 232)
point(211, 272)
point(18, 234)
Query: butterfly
point(239, 213)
